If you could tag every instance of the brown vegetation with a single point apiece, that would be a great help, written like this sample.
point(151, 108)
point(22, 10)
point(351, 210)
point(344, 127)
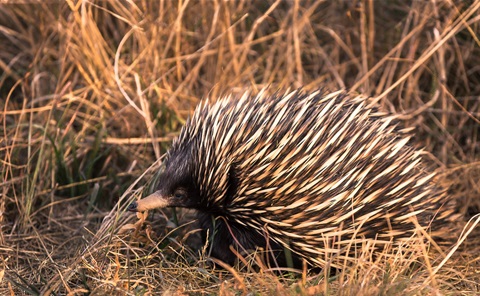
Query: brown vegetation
point(92, 93)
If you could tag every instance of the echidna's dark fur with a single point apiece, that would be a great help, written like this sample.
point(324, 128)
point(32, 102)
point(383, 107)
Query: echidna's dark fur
point(312, 171)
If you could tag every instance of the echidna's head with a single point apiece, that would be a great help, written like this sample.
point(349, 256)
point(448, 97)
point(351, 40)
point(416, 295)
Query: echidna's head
point(177, 187)
point(196, 176)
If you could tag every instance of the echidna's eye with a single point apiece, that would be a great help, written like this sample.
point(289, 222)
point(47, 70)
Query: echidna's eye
point(179, 193)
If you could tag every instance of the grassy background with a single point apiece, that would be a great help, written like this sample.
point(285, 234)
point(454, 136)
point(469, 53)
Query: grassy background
point(93, 92)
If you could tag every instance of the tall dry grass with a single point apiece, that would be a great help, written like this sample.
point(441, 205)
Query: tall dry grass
point(92, 93)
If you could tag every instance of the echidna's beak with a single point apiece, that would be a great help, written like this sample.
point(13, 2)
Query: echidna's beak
point(153, 201)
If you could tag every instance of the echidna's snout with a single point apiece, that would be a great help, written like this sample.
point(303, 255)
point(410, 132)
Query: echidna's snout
point(153, 201)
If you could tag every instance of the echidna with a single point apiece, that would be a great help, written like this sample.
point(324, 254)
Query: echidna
point(310, 172)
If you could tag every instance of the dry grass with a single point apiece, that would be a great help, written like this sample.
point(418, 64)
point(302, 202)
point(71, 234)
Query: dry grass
point(92, 93)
